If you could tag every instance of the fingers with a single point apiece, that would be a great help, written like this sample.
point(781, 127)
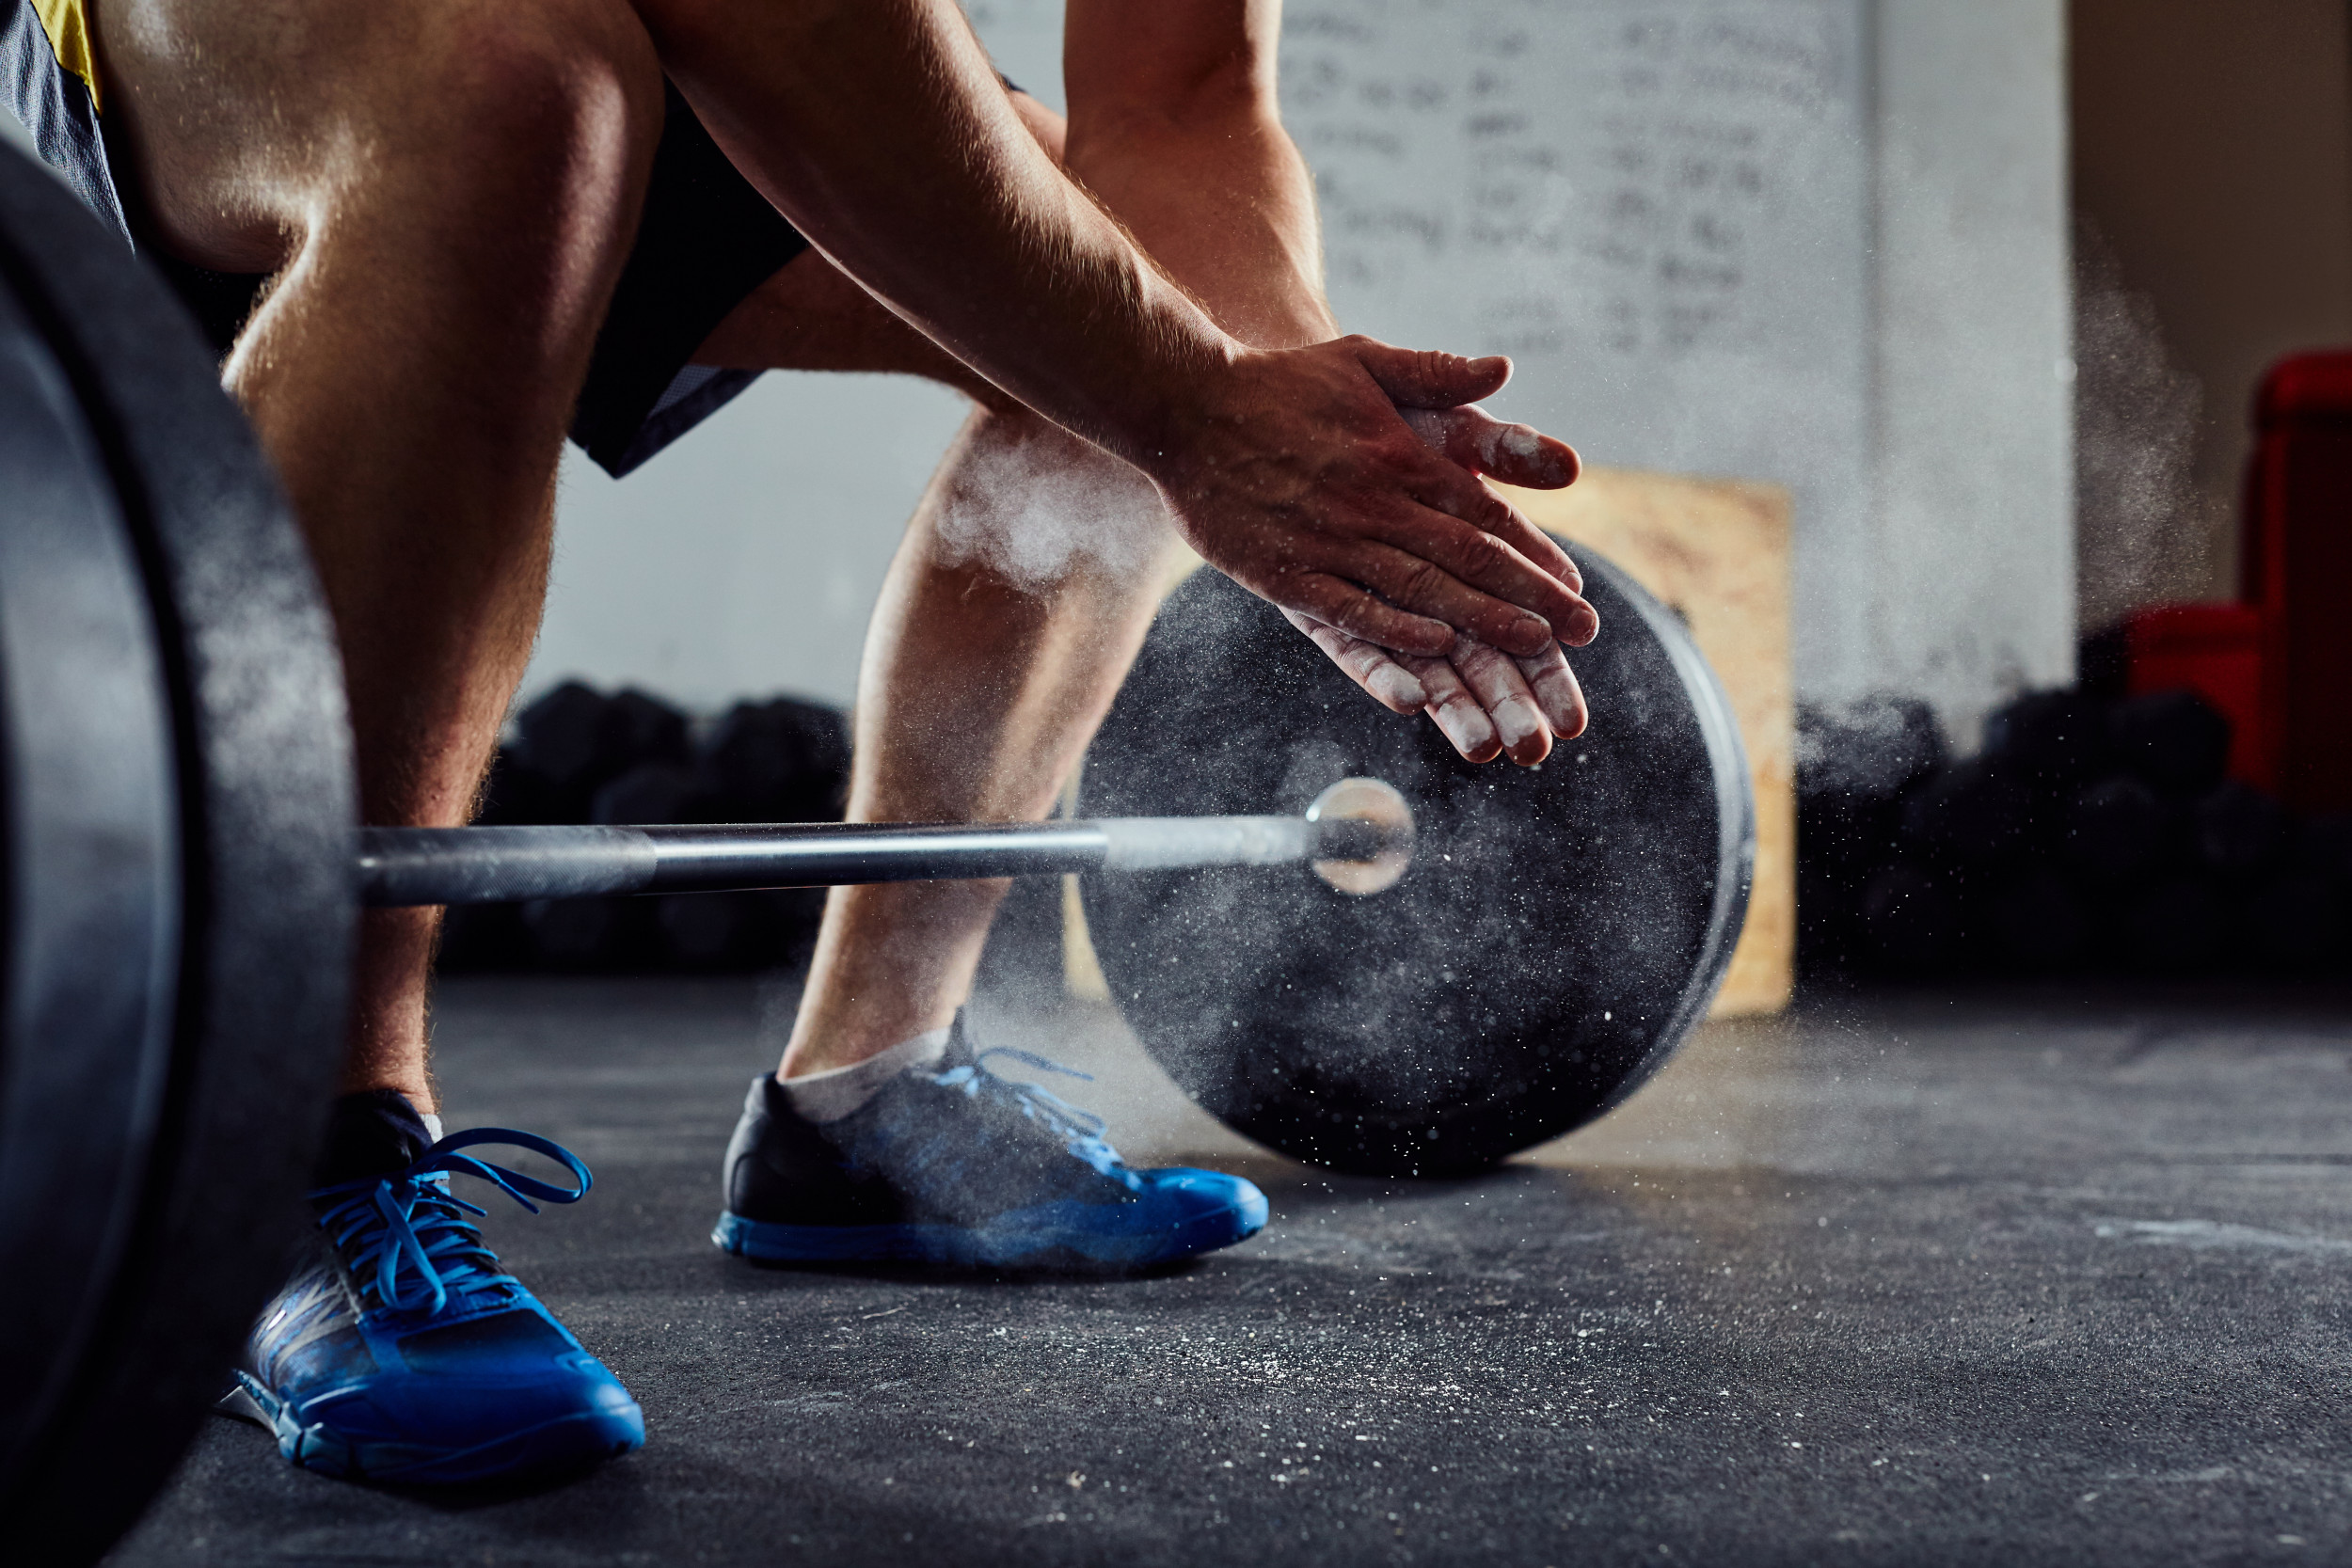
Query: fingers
point(1486, 704)
point(1388, 683)
point(1497, 553)
point(1558, 695)
point(1429, 378)
point(1513, 453)
point(1419, 580)
point(1458, 715)
point(1339, 603)
point(1501, 688)
point(1439, 566)
point(1459, 439)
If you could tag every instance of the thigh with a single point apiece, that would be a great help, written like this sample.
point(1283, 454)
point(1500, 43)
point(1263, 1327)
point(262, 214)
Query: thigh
point(240, 123)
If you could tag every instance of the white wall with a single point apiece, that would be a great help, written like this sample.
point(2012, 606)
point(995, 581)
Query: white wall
point(1970, 582)
point(744, 558)
point(1820, 242)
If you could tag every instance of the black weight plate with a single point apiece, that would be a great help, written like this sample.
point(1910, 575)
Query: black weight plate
point(262, 892)
point(91, 884)
point(1558, 933)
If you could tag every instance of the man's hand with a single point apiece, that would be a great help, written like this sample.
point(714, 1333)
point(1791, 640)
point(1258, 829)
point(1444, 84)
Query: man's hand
point(1486, 704)
point(1294, 474)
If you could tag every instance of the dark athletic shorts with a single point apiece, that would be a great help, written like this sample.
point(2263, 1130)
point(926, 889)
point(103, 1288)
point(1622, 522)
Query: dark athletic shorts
point(707, 240)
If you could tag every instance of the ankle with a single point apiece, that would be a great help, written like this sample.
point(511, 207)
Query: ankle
point(832, 1093)
point(831, 1043)
point(373, 1132)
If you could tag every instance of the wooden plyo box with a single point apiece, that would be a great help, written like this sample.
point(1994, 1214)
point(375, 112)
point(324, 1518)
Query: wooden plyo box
point(1717, 550)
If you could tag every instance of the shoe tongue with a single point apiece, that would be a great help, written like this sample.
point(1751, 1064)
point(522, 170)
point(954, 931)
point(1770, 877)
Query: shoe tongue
point(371, 1133)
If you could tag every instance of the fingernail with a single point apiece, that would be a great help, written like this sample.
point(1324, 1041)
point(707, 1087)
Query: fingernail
point(1587, 627)
point(1464, 726)
point(1532, 632)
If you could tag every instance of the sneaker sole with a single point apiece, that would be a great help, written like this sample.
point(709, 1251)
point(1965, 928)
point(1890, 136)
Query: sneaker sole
point(566, 1442)
point(1013, 1243)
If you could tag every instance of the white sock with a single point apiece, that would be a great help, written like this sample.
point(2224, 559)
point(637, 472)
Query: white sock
point(831, 1095)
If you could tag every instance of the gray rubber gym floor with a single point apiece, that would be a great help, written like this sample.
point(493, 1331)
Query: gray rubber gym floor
point(2025, 1277)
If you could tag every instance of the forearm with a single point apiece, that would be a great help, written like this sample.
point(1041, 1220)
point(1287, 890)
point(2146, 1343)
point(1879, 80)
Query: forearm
point(1221, 199)
point(1173, 122)
point(1045, 296)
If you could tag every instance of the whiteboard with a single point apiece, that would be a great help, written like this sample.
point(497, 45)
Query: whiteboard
point(1660, 208)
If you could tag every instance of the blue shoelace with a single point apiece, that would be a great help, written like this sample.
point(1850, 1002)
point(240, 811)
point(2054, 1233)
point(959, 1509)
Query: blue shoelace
point(409, 1221)
point(1081, 1130)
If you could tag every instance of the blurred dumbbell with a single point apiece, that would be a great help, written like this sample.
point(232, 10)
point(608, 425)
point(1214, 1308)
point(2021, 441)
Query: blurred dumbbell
point(2239, 831)
point(484, 939)
point(1912, 922)
point(2175, 741)
point(783, 760)
point(570, 738)
point(603, 934)
point(2175, 927)
point(2119, 830)
point(515, 794)
point(653, 792)
point(738, 932)
point(1842, 840)
point(1977, 813)
point(650, 729)
point(711, 931)
point(2055, 741)
point(2034, 922)
point(578, 740)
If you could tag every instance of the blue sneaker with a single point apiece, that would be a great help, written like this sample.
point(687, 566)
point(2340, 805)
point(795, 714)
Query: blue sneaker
point(957, 1165)
point(403, 1352)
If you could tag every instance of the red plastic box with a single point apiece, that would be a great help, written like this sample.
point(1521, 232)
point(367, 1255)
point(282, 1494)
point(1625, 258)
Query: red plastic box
point(2215, 650)
point(2297, 552)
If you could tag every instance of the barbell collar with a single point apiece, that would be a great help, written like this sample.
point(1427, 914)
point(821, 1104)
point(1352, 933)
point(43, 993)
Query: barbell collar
point(407, 866)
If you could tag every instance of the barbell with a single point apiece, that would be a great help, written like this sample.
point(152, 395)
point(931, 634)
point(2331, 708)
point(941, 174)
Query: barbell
point(1474, 960)
point(1357, 835)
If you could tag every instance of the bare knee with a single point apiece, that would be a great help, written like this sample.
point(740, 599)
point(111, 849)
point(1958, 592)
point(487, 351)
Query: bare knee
point(540, 117)
point(539, 114)
point(1023, 505)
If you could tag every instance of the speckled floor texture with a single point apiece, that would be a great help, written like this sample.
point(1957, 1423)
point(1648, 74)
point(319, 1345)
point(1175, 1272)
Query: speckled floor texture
point(2000, 1278)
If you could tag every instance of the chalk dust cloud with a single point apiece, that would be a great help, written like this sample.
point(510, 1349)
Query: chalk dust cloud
point(2142, 524)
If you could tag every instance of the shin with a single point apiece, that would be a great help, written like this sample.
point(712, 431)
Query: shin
point(1009, 619)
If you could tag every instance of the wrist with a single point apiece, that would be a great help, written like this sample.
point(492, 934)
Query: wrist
point(1162, 436)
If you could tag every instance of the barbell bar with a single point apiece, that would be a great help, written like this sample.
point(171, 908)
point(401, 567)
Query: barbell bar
point(1357, 835)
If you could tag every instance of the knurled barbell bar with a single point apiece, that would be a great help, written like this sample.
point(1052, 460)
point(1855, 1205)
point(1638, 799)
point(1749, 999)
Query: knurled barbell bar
point(180, 879)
